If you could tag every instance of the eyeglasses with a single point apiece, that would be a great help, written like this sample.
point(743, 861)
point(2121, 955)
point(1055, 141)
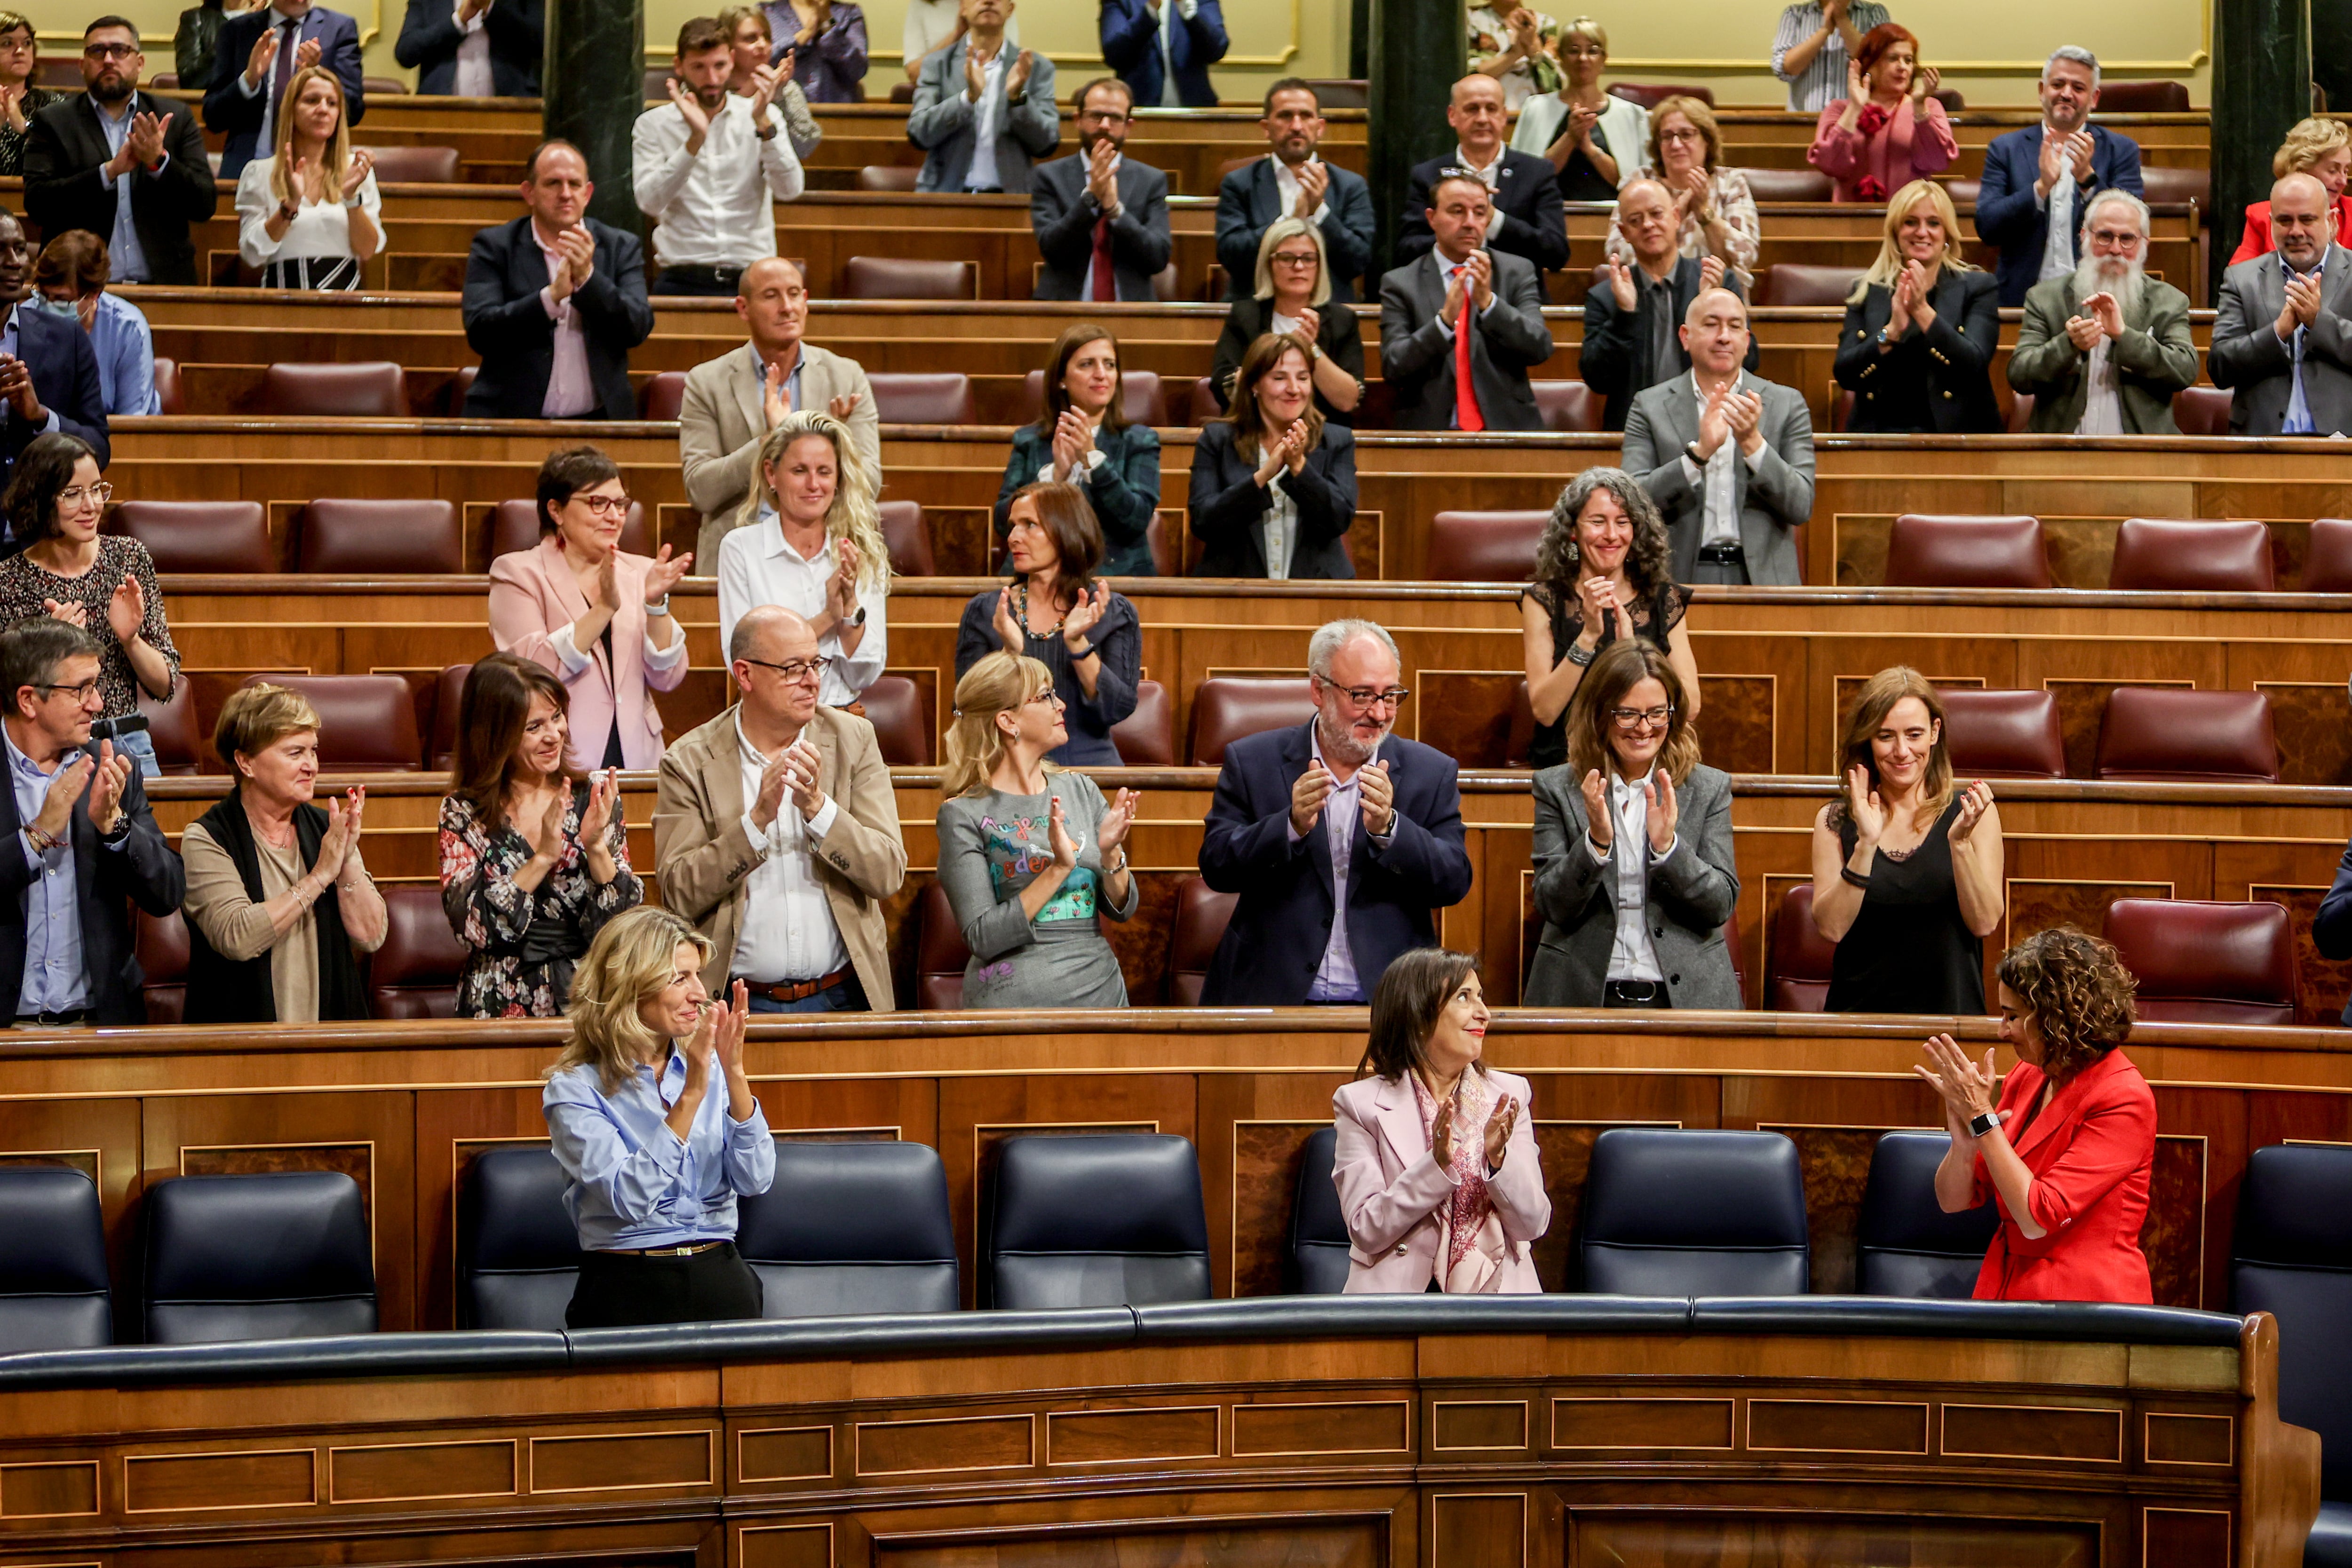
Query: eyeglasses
point(1048, 695)
point(2117, 238)
point(74, 495)
point(1632, 719)
point(1102, 117)
point(796, 670)
point(1682, 135)
point(607, 506)
point(1287, 259)
point(108, 51)
point(1363, 697)
point(82, 694)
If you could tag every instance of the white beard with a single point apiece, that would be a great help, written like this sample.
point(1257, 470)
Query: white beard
point(2093, 277)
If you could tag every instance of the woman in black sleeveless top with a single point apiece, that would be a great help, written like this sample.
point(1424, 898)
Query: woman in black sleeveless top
point(1602, 572)
point(1908, 877)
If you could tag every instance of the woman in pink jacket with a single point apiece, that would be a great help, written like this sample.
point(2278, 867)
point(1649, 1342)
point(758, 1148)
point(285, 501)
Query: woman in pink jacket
point(595, 616)
point(1886, 131)
point(1436, 1156)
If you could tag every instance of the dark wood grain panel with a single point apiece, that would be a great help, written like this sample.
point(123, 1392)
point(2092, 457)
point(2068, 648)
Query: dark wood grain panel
point(48, 1491)
point(1681, 1541)
point(2186, 1537)
point(2313, 721)
point(1634, 1423)
point(1292, 1430)
point(1116, 1437)
point(1837, 1427)
point(784, 1546)
point(1479, 1529)
point(630, 1462)
point(412, 1472)
point(2176, 1438)
point(2175, 1236)
point(1304, 1543)
point(2323, 986)
point(2033, 1432)
point(953, 1443)
point(188, 1483)
point(1478, 1423)
point(1267, 1156)
point(1738, 722)
point(784, 1453)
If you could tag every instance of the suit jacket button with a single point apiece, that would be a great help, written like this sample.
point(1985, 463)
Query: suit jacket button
point(1673, 980)
point(1948, 395)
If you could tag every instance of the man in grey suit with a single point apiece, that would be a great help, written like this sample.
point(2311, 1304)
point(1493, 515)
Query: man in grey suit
point(1101, 218)
point(2279, 337)
point(1459, 301)
point(1727, 457)
point(983, 113)
point(732, 402)
point(2103, 350)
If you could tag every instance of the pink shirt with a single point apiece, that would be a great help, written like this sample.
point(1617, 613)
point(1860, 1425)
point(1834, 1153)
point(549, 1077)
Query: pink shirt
point(571, 390)
point(1902, 150)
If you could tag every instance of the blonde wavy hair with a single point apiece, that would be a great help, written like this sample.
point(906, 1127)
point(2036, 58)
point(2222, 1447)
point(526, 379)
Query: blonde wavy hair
point(999, 683)
point(2310, 141)
point(632, 959)
point(1889, 264)
point(2078, 994)
point(855, 516)
point(339, 148)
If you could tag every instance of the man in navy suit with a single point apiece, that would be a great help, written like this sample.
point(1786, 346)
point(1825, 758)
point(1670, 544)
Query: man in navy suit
point(259, 53)
point(1163, 49)
point(1292, 182)
point(1340, 838)
point(49, 372)
point(474, 48)
point(1528, 221)
point(2038, 181)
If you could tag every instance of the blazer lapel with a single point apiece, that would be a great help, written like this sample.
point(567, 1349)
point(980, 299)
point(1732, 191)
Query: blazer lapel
point(565, 585)
point(722, 774)
point(1396, 1108)
point(1296, 754)
point(750, 377)
point(2058, 1113)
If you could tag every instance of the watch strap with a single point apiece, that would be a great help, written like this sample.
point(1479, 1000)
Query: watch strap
point(1980, 1125)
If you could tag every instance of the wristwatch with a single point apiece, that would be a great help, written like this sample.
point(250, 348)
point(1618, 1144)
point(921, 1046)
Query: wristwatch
point(1980, 1125)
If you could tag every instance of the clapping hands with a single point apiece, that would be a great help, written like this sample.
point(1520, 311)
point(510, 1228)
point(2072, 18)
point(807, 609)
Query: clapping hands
point(1084, 616)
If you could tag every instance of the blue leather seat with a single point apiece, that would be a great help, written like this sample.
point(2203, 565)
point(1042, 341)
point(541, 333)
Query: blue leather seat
point(1102, 1221)
point(2292, 1258)
point(281, 1256)
point(1908, 1245)
point(852, 1228)
point(518, 1250)
point(1669, 1211)
point(1317, 1253)
point(53, 1284)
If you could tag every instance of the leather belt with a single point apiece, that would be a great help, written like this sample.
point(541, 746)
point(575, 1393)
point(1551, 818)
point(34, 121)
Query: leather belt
point(662, 1251)
point(1723, 554)
point(702, 272)
point(1635, 992)
point(802, 990)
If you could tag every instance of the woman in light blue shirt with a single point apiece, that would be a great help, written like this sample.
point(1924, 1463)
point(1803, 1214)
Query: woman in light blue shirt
point(655, 1124)
point(70, 278)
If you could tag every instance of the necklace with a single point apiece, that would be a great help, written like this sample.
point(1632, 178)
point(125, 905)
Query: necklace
point(1021, 599)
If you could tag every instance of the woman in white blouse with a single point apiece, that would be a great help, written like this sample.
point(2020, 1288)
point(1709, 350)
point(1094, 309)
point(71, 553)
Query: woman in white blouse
point(309, 217)
point(814, 547)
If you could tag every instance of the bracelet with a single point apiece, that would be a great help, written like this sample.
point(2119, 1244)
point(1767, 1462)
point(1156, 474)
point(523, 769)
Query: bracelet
point(41, 838)
point(658, 608)
point(289, 210)
point(1854, 878)
point(1582, 658)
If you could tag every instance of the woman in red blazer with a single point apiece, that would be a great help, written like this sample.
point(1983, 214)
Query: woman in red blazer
point(2066, 1151)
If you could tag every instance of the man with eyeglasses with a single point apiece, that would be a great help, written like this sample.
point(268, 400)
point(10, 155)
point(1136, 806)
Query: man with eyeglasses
point(1631, 314)
point(1290, 180)
point(776, 831)
point(79, 840)
point(2103, 350)
point(2279, 335)
point(1100, 218)
point(259, 53)
point(121, 163)
point(2039, 182)
point(1341, 838)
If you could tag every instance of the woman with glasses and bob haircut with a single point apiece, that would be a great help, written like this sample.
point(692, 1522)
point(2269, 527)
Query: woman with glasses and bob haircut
point(1435, 1158)
point(1029, 855)
point(1907, 874)
point(592, 613)
point(1293, 299)
point(1634, 874)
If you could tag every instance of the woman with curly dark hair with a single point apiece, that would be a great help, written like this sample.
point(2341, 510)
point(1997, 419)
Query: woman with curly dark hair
point(2066, 1150)
point(1603, 571)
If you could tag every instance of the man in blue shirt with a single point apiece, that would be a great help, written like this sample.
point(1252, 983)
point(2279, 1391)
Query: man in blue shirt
point(48, 371)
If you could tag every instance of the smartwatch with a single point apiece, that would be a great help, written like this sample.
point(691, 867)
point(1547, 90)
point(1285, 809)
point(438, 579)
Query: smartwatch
point(1980, 1125)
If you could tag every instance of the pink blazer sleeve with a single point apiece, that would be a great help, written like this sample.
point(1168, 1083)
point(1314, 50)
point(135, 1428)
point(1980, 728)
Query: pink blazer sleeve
point(1835, 151)
point(1517, 1191)
point(1379, 1210)
point(1933, 145)
point(520, 609)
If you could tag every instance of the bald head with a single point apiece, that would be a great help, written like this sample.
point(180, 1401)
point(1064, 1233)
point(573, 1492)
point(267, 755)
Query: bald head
point(1715, 334)
point(772, 300)
point(1715, 302)
point(2299, 224)
point(767, 632)
point(1645, 217)
point(773, 655)
point(1478, 117)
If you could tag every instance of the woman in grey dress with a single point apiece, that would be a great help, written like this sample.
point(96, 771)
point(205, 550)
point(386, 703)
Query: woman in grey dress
point(1029, 855)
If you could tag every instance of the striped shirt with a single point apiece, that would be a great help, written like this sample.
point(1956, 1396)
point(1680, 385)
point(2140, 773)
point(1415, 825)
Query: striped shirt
point(1822, 82)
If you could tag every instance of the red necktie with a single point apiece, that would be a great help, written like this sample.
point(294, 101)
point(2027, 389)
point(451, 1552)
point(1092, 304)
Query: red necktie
point(1105, 287)
point(1466, 393)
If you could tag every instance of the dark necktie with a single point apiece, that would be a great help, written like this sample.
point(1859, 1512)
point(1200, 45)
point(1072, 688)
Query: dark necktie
point(284, 70)
point(1106, 283)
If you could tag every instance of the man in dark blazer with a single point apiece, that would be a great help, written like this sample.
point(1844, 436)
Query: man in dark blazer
point(1530, 222)
point(554, 301)
point(76, 170)
point(2271, 338)
point(1098, 205)
point(1340, 838)
point(1154, 43)
point(437, 35)
point(1631, 314)
point(49, 372)
point(260, 52)
point(2062, 159)
point(76, 840)
point(2331, 930)
point(1292, 182)
point(980, 81)
point(1421, 308)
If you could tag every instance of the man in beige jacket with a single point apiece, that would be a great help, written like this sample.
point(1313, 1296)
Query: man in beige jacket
point(776, 832)
point(732, 402)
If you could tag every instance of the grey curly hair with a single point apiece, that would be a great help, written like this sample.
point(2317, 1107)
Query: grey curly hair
point(1649, 563)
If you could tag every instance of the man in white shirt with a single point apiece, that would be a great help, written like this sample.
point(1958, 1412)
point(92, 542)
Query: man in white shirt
point(776, 831)
point(984, 111)
point(1290, 180)
point(709, 167)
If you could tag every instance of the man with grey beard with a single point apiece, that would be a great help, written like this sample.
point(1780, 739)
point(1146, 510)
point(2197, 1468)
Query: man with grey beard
point(2103, 350)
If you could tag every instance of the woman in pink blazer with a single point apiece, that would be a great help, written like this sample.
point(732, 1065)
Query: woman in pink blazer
point(597, 619)
point(1436, 1156)
point(1886, 132)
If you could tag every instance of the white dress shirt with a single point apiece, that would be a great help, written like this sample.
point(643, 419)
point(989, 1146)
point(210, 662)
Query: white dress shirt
point(1720, 523)
point(1280, 529)
point(317, 231)
point(571, 389)
point(1497, 220)
point(473, 79)
point(2103, 397)
point(1631, 956)
point(1187, 9)
point(662, 659)
point(757, 566)
point(788, 931)
point(1342, 808)
point(987, 120)
point(715, 207)
point(1286, 185)
point(289, 39)
point(2058, 250)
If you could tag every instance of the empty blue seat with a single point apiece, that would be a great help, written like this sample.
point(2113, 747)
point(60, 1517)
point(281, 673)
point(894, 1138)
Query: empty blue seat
point(1908, 1245)
point(518, 1250)
point(1317, 1253)
point(1102, 1221)
point(53, 1283)
point(279, 1255)
point(1674, 1213)
point(852, 1228)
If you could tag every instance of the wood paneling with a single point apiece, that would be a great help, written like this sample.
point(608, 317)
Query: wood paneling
point(1300, 1431)
point(414, 1472)
point(1837, 1427)
point(1641, 1424)
point(194, 1482)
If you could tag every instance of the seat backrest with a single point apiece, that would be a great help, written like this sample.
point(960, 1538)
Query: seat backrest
point(1484, 546)
point(2291, 1256)
point(2003, 734)
point(888, 177)
point(1798, 978)
point(1202, 915)
point(909, 536)
point(923, 397)
point(160, 944)
point(415, 974)
point(2327, 561)
point(1226, 708)
point(2159, 734)
point(894, 706)
point(1677, 1212)
point(2202, 410)
point(369, 388)
point(1140, 396)
point(1906, 1245)
point(1803, 283)
point(441, 747)
point(1316, 1258)
point(367, 724)
point(852, 1228)
point(167, 386)
point(1789, 185)
point(2143, 98)
point(379, 538)
point(2200, 962)
point(1964, 192)
point(415, 166)
point(2193, 556)
point(1566, 408)
point(1340, 91)
point(518, 1250)
point(1203, 409)
point(199, 535)
point(1650, 94)
point(282, 1255)
point(901, 277)
point(939, 951)
point(1951, 551)
point(1147, 737)
point(514, 525)
point(2161, 186)
point(663, 395)
point(54, 1293)
point(1097, 1221)
point(171, 725)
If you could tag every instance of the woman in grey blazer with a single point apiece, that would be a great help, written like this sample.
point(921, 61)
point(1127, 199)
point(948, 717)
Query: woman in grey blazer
point(1644, 931)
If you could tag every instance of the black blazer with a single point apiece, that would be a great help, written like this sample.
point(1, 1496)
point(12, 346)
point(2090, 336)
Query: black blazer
point(1340, 337)
point(1939, 380)
point(138, 866)
point(64, 151)
point(1248, 203)
point(65, 378)
point(1275, 942)
point(1615, 343)
point(1063, 221)
point(229, 111)
point(1529, 221)
point(429, 39)
point(507, 326)
point(1228, 504)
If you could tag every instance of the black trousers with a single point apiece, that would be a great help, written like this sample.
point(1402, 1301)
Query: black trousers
point(618, 1291)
